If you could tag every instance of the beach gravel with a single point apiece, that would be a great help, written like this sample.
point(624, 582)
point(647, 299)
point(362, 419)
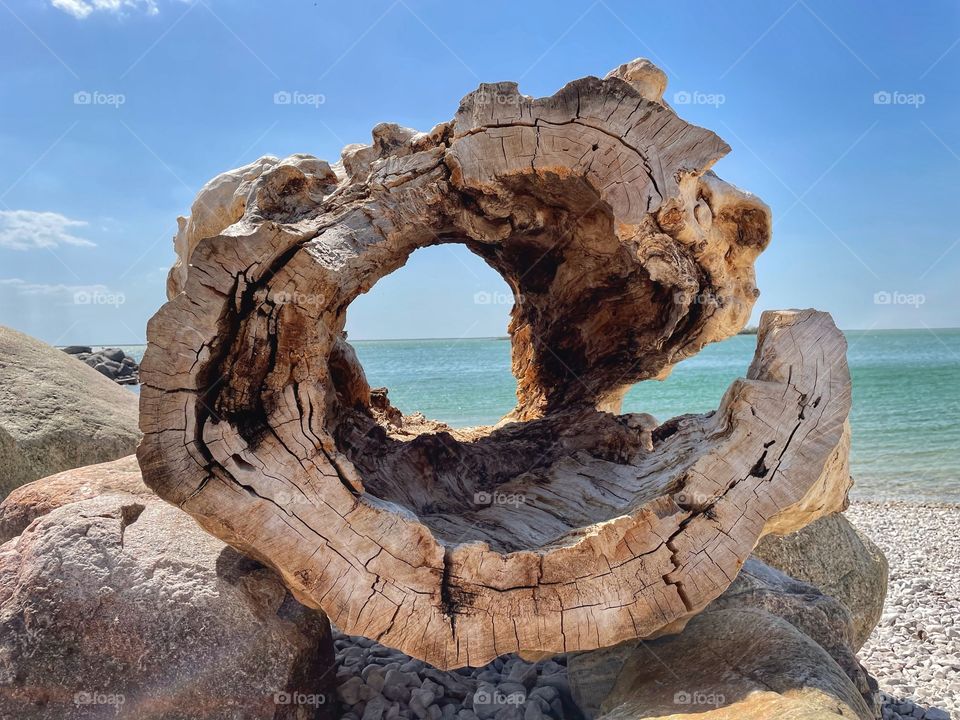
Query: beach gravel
point(379, 682)
point(914, 652)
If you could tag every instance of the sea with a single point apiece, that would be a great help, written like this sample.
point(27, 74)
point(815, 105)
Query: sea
point(906, 397)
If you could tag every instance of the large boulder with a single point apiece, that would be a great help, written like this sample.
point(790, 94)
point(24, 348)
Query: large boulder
point(820, 617)
point(57, 413)
point(734, 665)
point(834, 556)
point(30, 501)
point(768, 646)
point(121, 606)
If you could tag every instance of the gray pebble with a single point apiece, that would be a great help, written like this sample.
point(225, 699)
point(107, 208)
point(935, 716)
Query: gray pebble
point(547, 692)
point(375, 677)
point(512, 689)
point(405, 679)
point(397, 693)
point(349, 692)
point(420, 700)
point(375, 708)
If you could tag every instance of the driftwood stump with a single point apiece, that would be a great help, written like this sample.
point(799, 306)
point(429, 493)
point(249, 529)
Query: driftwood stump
point(625, 254)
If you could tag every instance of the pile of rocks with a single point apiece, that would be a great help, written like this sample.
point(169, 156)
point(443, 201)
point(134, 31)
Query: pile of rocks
point(377, 682)
point(112, 362)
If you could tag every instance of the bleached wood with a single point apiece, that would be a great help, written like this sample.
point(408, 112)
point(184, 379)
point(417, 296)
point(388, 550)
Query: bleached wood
point(626, 255)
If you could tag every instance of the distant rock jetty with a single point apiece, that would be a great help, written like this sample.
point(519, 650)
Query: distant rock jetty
point(112, 362)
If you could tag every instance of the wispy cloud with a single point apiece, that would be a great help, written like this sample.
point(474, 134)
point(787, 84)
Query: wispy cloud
point(83, 8)
point(60, 293)
point(22, 287)
point(28, 230)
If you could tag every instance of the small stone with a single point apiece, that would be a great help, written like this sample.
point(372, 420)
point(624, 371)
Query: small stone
point(420, 700)
point(524, 674)
point(349, 692)
point(547, 692)
point(514, 691)
point(375, 708)
point(451, 682)
point(485, 703)
point(532, 712)
point(375, 677)
point(397, 677)
point(397, 693)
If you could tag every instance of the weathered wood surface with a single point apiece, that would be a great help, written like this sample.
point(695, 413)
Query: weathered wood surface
point(567, 526)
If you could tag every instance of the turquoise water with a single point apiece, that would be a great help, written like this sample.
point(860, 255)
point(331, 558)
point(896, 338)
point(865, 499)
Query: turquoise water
point(906, 396)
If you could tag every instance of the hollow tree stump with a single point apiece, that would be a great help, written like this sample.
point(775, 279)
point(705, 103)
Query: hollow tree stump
point(625, 254)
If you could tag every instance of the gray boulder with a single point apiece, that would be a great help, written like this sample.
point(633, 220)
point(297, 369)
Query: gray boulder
point(768, 634)
point(115, 354)
point(36, 499)
point(742, 664)
point(842, 562)
point(56, 413)
point(122, 607)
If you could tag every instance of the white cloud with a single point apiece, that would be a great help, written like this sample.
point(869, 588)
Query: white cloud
point(68, 294)
point(22, 287)
point(28, 230)
point(82, 8)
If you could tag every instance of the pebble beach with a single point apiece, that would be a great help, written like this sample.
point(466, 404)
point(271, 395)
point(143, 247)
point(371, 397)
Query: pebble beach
point(914, 652)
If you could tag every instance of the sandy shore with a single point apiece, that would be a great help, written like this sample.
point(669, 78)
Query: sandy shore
point(915, 650)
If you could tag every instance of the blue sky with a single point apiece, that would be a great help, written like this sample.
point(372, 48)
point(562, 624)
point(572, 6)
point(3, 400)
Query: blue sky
point(864, 192)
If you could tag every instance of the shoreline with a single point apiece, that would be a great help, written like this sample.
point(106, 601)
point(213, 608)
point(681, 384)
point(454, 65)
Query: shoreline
point(913, 501)
point(914, 652)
